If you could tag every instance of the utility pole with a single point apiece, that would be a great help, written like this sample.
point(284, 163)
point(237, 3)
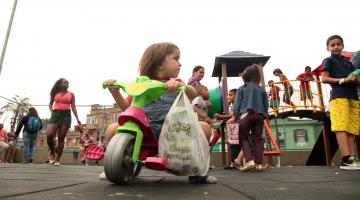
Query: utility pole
point(7, 34)
point(103, 122)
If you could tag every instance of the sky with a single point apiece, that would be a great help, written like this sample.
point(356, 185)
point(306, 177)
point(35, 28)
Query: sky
point(89, 41)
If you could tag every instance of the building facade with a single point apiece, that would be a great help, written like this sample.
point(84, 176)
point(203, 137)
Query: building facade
point(296, 134)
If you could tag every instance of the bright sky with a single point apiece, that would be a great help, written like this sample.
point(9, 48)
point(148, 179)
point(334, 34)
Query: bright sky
point(89, 41)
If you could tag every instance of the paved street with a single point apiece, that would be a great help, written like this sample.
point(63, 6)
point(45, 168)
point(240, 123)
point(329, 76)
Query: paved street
point(40, 181)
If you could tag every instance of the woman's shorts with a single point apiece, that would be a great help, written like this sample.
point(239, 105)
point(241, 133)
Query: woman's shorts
point(345, 115)
point(61, 117)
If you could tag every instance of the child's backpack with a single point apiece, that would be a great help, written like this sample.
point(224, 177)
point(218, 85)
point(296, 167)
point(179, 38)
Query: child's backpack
point(33, 125)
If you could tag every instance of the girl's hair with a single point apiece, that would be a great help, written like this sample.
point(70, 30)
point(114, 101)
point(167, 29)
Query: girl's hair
point(233, 90)
point(154, 56)
point(32, 112)
point(277, 70)
point(333, 37)
point(56, 88)
point(252, 74)
point(197, 68)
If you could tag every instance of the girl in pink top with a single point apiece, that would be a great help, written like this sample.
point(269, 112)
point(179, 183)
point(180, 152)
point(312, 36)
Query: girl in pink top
point(61, 102)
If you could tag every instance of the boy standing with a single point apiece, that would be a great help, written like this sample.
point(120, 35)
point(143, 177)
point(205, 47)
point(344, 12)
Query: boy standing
point(274, 100)
point(232, 134)
point(344, 101)
point(305, 89)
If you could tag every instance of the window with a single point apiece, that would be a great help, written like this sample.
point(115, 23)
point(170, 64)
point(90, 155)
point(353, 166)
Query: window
point(110, 119)
point(91, 119)
point(282, 144)
point(300, 137)
point(116, 116)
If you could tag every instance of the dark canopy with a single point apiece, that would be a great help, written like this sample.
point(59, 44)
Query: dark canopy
point(236, 62)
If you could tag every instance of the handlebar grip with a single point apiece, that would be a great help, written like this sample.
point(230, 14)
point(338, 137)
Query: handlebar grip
point(110, 86)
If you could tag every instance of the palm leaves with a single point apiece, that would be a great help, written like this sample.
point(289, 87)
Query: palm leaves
point(18, 106)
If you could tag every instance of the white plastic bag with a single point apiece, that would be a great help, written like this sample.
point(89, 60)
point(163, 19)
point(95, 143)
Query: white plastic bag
point(182, 140)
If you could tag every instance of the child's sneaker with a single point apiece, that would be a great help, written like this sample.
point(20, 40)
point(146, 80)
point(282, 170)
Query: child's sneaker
point(203, 179)
point(230, 166)
point(102, 176)
point(350, 164)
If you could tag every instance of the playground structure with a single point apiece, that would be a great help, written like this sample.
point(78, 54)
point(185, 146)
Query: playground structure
point(234, 63)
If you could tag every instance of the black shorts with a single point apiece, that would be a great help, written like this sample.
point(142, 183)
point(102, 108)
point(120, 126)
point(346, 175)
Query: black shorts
point(61, 117)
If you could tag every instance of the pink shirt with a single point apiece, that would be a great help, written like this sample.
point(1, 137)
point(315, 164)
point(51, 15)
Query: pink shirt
point(62, 102)
point(3, 135)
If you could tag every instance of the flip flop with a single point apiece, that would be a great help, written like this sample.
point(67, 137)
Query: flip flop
point(57, 164)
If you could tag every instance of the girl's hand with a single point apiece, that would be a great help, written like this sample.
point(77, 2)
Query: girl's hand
point(232, 119)
point(216, 115)
point(172, 85)
point(79, 122)
point(110, 82)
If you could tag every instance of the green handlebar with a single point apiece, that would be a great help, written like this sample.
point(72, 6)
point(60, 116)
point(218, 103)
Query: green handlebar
point(146, 89)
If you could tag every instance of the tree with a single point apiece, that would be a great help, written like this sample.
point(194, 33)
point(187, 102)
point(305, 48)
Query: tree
point(18, 106)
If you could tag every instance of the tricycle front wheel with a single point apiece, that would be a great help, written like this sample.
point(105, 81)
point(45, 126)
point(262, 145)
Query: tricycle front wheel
point(118, 165)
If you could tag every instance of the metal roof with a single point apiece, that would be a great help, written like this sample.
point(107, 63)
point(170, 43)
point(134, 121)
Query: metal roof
point(236, 62)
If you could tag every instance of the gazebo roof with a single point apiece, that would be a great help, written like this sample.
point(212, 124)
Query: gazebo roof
point(236, 62)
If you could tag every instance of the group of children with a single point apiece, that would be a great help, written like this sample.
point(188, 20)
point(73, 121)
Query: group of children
point(305, 89)
point(250, 108)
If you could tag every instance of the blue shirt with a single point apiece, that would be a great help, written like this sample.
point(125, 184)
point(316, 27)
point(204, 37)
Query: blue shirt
point(338, 67)
point(157, 110)
point(250, 97)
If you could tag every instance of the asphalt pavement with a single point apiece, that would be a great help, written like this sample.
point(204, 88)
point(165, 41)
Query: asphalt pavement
point(42, 181)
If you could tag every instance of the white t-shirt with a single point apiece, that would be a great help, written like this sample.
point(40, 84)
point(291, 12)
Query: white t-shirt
point(200, 102)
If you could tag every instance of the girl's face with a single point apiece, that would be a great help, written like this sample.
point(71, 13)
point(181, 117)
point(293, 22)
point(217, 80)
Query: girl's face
point(64, 84)
point(335, 46)
point(199, 74)
point(231, 97)
point(170, 67)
